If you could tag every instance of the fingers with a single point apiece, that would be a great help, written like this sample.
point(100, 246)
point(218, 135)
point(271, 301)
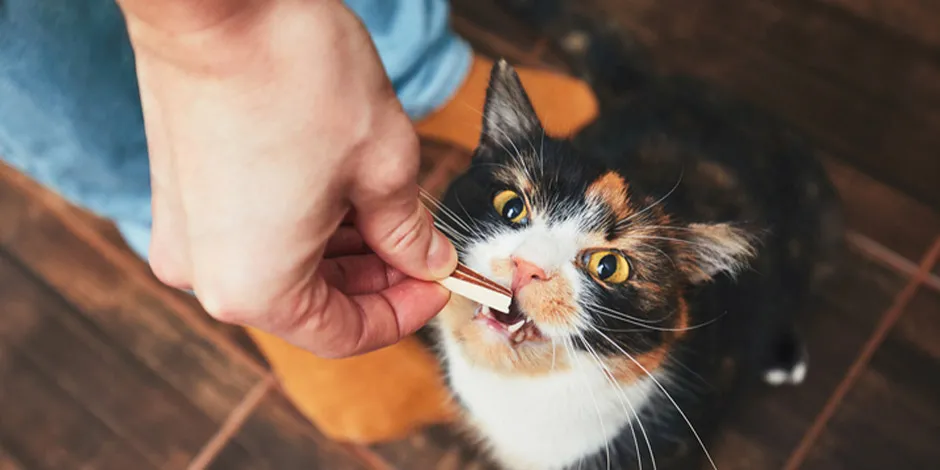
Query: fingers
point(341, 326)
point(346, 241)
point(362, 274)
point(169, 252)
point(388, 214)
point(401, 231)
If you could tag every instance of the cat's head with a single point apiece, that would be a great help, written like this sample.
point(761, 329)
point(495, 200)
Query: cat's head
point(594, 266)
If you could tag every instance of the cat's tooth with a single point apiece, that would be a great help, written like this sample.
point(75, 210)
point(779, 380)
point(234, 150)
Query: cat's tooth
point(518, 337)
point(516, 326)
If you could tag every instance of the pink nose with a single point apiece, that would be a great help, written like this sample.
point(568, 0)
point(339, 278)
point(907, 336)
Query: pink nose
point(524, 273)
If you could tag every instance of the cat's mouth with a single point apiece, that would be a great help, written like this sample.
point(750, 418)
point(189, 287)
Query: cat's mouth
point(515, 325)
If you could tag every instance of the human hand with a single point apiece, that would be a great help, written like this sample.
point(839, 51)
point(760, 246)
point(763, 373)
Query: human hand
point(269, 124)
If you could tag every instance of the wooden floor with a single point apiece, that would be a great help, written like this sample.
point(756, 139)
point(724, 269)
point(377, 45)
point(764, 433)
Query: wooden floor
point(103, 368)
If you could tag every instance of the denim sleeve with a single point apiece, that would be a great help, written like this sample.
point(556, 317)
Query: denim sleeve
point(70, 112)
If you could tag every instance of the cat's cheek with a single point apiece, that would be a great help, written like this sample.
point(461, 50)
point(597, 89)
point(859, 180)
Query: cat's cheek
point(501, 268)
point(552, 305)
point(626, 371)
point(483, 349)
point(489, 350)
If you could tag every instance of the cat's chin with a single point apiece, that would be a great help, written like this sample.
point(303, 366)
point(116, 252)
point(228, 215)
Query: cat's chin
point(514, 327)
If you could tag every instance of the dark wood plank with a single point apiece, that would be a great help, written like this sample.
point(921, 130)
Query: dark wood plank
point(867, 98)
point(761, 434)
point(916, 19)
point(883, 213)
point(10, 462)
point(277, 437)
point(150, 415)
point(40, 421)
point(48, 430)
point(119, 296)
point(493, 32)
point(891, 418)
point(436, 448)
point(920, 325)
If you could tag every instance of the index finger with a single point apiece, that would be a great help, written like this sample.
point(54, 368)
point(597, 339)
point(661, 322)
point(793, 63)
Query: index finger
point(339, 325)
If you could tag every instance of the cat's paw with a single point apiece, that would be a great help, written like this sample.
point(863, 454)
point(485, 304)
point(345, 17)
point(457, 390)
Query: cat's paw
point(788, 362)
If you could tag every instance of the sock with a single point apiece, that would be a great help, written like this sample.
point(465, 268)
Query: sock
point(387, 394)
point(380, 396)
point(563, 104)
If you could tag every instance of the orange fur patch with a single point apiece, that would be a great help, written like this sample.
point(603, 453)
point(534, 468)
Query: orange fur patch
point(611, 189)
point(549, 302)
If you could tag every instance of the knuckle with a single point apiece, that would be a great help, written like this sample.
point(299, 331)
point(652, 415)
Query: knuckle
point(228, 302)
point(168, 272)
point(399, 172)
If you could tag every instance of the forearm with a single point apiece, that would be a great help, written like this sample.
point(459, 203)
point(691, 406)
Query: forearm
point(203, 34)
point(191, 16)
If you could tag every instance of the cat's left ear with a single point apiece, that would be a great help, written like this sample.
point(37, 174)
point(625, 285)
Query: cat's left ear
point(508, 114)
point(712, 249)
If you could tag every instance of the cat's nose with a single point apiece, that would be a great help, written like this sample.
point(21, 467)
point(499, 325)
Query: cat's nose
point(524, 273)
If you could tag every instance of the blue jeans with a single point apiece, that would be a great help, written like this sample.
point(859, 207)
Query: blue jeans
point(70, 113)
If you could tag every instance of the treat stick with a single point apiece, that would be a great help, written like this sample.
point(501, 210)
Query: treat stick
point(474, 286)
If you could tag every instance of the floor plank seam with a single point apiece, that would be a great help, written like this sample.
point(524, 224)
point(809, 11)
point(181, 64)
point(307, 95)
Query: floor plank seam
point(101, 337)
point(233, 423)
point(368, 458)
point(131, 266)
point(888, 320)
point(889, 258)
point(476, 34)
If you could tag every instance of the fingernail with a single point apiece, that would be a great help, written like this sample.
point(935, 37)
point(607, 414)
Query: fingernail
point(442, 257)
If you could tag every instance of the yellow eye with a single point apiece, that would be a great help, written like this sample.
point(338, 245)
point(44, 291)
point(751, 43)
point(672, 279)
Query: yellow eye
point(608, 266)
point(510, 206)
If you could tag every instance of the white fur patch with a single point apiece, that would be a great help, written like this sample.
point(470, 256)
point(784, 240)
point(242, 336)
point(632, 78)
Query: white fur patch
point(547, 422)
point(552, 248)
point(553, 420)
point(794, 376)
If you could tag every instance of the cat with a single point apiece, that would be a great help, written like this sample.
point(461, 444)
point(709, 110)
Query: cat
point(647, 278)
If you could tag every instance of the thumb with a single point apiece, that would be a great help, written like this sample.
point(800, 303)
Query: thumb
point(401, 231)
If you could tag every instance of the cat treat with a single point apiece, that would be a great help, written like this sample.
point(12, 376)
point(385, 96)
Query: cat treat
point(474, 286)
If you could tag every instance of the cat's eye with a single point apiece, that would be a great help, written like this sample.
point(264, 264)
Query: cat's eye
point(607, 266)
point(510, 205)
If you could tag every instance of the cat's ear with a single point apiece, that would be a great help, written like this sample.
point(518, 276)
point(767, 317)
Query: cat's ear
point(712, 249)
point(508, 114)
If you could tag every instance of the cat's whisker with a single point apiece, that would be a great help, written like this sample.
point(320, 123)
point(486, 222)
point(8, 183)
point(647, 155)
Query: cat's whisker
point(450, 230)
point(604, 311)
point(647, 245)
point(600, 419)
point(677, 240)
point(554, 347)
point(654, 204)
point(447, 220)
point(476, 225)
point(541, 158)
point(442, 209)
point(621, 315)
point(670, 227)
point(665, 392)
point(624, 402)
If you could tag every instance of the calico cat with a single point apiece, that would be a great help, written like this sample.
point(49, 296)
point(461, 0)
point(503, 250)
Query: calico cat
point(643, 289)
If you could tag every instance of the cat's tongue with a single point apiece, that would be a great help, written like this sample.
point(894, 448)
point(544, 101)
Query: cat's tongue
point(514, 316)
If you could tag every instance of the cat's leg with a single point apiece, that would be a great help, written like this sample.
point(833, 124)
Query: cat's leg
point(787, 359)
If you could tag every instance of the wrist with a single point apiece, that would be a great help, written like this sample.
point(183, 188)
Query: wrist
point(206, 32)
